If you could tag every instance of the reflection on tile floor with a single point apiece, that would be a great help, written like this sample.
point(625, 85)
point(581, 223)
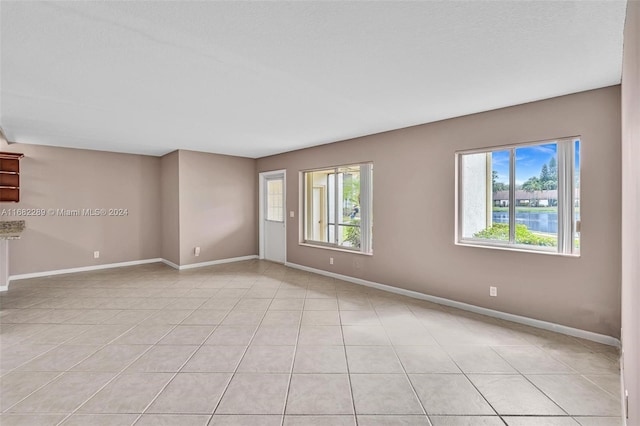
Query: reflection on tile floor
point(255, 343)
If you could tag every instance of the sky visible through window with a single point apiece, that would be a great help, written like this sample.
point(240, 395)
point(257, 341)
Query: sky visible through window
point(529, 162)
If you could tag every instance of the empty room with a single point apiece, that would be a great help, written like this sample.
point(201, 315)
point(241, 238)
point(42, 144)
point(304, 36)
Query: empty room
point(322, 213)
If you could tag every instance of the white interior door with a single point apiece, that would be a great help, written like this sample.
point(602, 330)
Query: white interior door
point(273, 221)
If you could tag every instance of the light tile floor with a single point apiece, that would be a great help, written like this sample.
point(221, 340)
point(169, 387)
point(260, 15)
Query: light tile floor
point(255, 343)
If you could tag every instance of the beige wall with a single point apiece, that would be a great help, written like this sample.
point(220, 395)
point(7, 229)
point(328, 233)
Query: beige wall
point(631, 210)
point(413, 213)
point(63, 178)
point(218, 210)
point(181, 200)
point(170, 207)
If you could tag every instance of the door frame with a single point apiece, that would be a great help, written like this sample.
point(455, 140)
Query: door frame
point(262, 180)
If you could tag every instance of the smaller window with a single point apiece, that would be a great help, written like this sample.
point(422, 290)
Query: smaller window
point(525, 196)
point(337, 207)
point(275, 200)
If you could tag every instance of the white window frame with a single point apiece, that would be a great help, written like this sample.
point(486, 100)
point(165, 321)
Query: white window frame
point(567, 224)
point(366, 209)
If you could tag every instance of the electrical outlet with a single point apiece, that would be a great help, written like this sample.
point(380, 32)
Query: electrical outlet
point(196, 251)
point(493, 291)
point(331, 261)
point(96, 254)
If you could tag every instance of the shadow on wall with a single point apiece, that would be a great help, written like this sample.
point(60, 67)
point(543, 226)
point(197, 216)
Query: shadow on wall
point(225, 237)
point(41, 259)
point(43, 247)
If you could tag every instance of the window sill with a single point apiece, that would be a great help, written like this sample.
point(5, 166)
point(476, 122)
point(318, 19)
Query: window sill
point(333, 248)
point(516, 248)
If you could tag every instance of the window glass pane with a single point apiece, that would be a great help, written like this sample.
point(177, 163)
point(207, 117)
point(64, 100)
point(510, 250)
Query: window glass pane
point(536, 195)
point(349, 206)
point(337, 206)
point(485, 195)
point(577, 196)
point(275, 200)
point(544, 198)
point(318, 194)
point(500, 177)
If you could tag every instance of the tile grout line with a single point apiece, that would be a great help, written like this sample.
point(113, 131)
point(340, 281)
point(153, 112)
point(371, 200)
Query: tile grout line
point(597, 385)
point(55, 346)
point(144, 411)
point(471, 382)
point(70, 368)
point(441, 346)
point(404, 370)
point(244, 353)
point(466, 375)
point(521, 374)
point(474, 385)
point(116, 376)
point(293, 360)
point(346, 361)
point(198, 347)
point(174, 374)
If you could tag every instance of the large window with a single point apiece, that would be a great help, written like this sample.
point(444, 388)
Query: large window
point(525, 196)
point(337, 207)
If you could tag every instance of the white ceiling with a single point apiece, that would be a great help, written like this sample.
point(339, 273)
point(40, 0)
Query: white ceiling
point(259, 78)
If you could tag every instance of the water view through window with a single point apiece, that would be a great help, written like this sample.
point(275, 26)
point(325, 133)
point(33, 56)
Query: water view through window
point(539, 184)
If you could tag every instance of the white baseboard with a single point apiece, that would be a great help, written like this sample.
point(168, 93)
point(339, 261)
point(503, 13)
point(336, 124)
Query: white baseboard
point(212, 262)
point(121, 264)
point(170, 263)
point(82, 269)
point(558, 328)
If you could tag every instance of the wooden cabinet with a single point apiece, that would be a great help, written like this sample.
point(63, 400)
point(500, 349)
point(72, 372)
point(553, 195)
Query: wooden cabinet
point(10, 176)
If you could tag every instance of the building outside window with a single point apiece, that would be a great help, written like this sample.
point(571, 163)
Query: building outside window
point(523, 197)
